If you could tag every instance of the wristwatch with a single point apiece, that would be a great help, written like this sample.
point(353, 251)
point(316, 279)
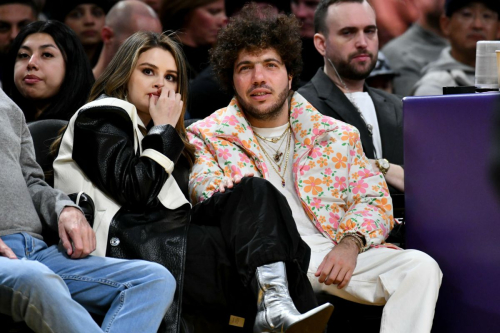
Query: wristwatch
point(383, 165)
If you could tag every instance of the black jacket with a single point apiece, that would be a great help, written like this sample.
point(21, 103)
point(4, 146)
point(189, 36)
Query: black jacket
point(143, 228)
point(328, 99)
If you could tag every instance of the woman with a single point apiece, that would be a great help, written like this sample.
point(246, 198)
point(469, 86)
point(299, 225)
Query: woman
point(86, 18)
point(47, 74)
point(128, 150)
point(198, 22)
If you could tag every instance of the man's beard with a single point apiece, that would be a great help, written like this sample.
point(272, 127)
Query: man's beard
point(271, 112)
point(350, 72)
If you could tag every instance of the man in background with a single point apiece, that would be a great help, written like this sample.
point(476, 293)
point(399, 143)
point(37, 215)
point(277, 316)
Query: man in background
point(123, 20)
point(417, 47)
point(14, 15)
point(346, 37)
point(465, 23)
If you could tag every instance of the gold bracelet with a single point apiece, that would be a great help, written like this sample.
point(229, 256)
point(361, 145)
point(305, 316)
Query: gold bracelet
point(357, 240)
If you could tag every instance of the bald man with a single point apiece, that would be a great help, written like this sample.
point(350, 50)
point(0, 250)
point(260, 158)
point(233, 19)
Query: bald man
point(123, 20)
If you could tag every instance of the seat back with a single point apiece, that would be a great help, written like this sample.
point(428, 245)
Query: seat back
point(452, 212)
point(44, 132)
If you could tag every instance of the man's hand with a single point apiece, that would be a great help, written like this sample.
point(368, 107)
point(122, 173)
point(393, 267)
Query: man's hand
point(6, 251)
point(339, 264)
point(76, 235)
point(229, 183)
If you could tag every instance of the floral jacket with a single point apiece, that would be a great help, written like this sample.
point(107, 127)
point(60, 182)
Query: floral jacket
point(334, 180)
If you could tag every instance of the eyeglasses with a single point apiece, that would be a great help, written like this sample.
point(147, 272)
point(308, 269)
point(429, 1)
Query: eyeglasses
point(467, 15)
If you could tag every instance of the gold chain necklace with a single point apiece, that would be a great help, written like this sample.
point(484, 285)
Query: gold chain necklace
point(277, 152)
point(287, 150)
point(274, 140)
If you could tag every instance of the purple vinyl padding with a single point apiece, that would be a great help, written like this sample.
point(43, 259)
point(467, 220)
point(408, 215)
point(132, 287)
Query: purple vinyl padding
point(452, 210)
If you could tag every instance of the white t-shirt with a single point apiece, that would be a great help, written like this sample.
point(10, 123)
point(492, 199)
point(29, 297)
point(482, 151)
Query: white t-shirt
point(305, 226)
point(365, 104)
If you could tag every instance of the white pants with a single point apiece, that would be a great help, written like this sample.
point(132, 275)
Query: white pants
point(406, 281)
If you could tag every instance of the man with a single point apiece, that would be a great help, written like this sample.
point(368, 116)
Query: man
point(465, 23)
point(304, 12)
point(346, 37)
point(51, 288)
point(340, 205)
point(14, 15)
point(417, 47)
point(123, 20)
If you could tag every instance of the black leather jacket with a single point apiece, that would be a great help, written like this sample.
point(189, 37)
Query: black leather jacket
point(143, 228)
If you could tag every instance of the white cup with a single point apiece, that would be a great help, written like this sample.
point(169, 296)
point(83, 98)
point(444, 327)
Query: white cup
point(486, 64)
point(498, 66)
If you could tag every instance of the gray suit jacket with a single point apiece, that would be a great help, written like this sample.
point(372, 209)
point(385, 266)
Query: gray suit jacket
point(325, 96)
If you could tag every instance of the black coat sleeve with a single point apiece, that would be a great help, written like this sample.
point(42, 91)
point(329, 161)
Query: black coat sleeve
point(104, 149)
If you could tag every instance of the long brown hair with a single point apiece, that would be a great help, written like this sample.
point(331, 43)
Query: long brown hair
point(113, 82)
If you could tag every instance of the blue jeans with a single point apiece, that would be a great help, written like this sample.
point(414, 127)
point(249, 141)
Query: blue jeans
point(54, 293)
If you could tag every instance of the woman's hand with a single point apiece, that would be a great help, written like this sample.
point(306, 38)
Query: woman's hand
point(166, 108)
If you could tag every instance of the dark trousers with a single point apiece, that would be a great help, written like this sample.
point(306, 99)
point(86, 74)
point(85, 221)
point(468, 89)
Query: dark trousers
point(233, 233)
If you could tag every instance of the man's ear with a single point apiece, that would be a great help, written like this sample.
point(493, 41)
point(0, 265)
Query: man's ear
point(107, 34)
point(290, 79)
point(320, 43)
point(444, 23)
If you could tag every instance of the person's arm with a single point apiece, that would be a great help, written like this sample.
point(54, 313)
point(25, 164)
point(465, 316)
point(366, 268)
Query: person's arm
point(206, 175)
point(395, 176)
point(366, 223)
point(104, 150)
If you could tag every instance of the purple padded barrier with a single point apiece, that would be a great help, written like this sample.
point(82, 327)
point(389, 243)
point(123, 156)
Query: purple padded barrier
point(452, 211)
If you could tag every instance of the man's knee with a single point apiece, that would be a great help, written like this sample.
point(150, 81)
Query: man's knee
point(427, 266)
point(257, 185)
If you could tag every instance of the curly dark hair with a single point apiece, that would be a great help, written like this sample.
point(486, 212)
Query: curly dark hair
point(255, 29)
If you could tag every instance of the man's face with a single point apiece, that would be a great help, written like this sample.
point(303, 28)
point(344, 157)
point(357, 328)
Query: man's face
point(469, 25)
point(261, 83)
point(13, 17)
point(352, 41)
point(304, 11)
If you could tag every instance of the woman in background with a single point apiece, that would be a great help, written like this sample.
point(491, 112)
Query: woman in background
point(86, 18)
point(198, 23)
point(48, 75)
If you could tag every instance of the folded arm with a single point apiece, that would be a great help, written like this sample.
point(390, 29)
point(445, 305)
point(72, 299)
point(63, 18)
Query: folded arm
point(104, 150)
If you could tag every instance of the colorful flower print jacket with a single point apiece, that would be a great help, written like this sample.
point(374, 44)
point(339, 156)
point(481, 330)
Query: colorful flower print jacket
point(334, 180)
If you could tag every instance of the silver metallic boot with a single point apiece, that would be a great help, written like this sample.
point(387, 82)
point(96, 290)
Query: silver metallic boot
point(276, 311)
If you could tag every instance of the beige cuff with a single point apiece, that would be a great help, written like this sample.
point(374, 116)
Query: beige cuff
point(159, 158)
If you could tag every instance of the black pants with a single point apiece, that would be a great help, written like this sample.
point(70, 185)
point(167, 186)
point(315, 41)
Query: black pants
point(233, 233)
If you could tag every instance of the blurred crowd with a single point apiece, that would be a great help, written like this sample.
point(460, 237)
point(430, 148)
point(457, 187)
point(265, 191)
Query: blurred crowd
point(423, 48)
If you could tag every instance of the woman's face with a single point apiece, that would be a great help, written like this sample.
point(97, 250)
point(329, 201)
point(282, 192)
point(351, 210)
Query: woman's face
point(40, 68)
point(86, 21)
point(155, 71)
point(204, 23)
